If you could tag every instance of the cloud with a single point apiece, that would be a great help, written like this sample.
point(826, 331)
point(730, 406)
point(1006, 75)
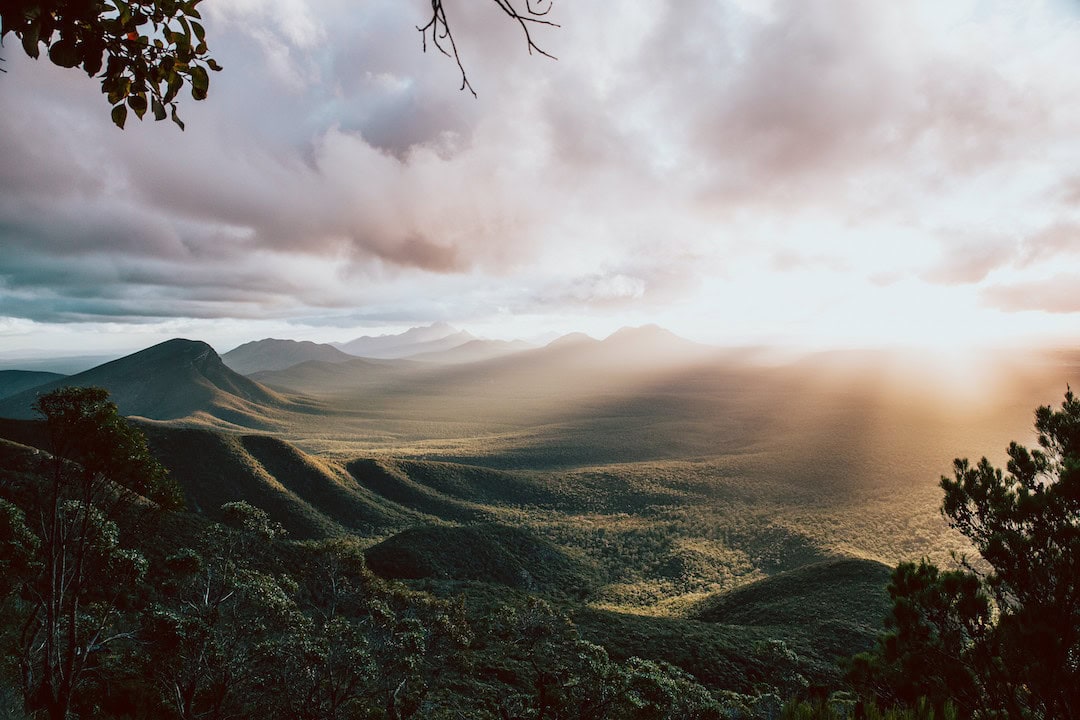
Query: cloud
point(1056, 294)
point(336, 170)
point(969, 259)
point(1059, 241)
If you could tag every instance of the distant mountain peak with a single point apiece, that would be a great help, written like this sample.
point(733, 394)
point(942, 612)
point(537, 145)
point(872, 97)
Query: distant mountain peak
point(175, 379)
point(277, 354)
point(650, 330)
point(437, 336)
point(574, 338)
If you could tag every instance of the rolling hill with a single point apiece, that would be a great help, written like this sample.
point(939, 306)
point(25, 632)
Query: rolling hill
point(13, 382)
point(488, 553)
point(310, 497)
point(174, 380)
point(844, 600)
point(273, 354)
point(813, 591)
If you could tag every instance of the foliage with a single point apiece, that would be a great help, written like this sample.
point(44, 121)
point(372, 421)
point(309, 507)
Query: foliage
point(1004, 642)
point(97, 453)
point(18, 548)
point(144, 51)
point(73, 581)
point(843, 706)
point(217, 608)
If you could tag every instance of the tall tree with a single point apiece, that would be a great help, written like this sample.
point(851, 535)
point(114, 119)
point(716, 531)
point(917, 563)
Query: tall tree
point(1002, 634)
point(73, 600)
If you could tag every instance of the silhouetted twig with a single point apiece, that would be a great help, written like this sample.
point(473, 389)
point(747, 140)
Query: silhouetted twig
point(438, 28)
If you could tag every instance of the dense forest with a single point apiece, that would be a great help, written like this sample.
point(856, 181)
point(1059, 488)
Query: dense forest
point(119, 603)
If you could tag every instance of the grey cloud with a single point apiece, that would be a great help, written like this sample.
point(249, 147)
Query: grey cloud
point(969, 259)
point(1061, 239)
point(808, 104)
point(1057, 294)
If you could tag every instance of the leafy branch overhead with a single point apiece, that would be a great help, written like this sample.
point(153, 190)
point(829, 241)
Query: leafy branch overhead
point(144, 51)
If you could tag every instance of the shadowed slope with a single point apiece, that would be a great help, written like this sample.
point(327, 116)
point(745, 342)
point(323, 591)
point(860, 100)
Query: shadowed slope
point(486, 553)
point(177, 379)
point(844, 600)
point(13, 382)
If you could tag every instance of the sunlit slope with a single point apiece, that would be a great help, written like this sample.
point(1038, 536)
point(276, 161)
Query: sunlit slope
point(828, 419)
point(529, 398)
point(387, 481)
point(177, 379)
point(274, 354)
point(334, 380)
point(13, 382)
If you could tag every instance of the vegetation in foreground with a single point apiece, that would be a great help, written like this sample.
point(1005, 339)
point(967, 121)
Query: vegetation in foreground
point(116, 607)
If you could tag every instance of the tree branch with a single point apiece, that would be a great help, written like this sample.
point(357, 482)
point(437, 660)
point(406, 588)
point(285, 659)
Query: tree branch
point(438, 30)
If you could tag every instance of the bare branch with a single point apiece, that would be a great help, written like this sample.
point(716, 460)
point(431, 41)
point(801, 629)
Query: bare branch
point(438, 30)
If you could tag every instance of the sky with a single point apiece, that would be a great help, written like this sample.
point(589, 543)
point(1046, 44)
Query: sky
point(818, 173)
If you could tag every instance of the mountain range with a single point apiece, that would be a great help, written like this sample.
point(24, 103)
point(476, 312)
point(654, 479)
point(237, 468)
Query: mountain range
point(187, 380)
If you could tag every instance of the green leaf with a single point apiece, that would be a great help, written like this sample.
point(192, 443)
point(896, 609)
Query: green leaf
point(119, 116)
point(120, 90)
point(30, 39)
point(213, 64)
point(200, 33)
point(158, 109)
point(200, 82)
point(64, 53)
point(92, 60)
point(176, 118)
point(175, 82)
point(138, 104)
